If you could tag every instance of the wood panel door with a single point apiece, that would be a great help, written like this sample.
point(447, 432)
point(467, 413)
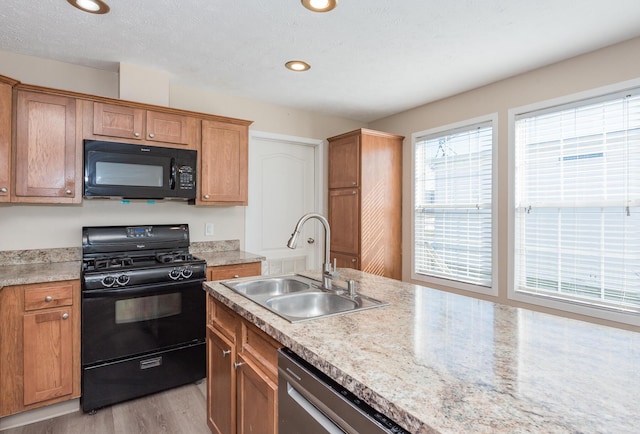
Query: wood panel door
point(344, 162)
point(171, 128)
point(118, 121)
point(257, 400)
point(5, 142)
point(344, 215)
point(48, 352)
point(221, 383)
point(224, 159)
point(47, 162)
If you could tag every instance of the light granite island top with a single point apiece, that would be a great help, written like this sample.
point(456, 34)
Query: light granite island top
point(438, 362)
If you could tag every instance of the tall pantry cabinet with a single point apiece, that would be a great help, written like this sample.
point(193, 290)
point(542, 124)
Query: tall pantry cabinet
point(365, 201)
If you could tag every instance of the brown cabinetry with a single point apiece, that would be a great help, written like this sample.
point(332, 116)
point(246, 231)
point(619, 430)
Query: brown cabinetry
point(47, 160)
point(39, 345)
point(365, 201)
point(234, 271)
point(6, 87)
point(224, 161)
point(242, 374)
point(147, 126)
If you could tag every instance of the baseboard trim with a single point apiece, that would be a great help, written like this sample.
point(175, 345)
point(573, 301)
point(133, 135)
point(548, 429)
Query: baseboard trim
point(38, 414)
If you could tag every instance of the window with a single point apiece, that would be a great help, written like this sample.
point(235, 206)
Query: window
point(577, 203)
point(453, 224)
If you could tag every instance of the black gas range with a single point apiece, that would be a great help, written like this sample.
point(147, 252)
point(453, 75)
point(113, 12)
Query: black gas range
point(143, 312)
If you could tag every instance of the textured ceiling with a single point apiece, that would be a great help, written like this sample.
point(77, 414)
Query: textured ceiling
point(369, 58)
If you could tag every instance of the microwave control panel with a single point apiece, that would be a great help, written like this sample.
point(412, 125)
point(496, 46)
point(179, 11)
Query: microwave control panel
point(186, 178)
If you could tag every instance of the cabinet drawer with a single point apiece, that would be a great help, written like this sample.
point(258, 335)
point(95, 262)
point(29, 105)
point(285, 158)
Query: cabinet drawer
point(261, 348)
point(48, 296)
point(235, 271)
point(225, 320)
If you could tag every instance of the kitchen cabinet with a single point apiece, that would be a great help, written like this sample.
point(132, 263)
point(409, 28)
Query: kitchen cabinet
point(365, 201)
point(151, 127)
point(242, 374)
point(47, 151)
point(39, 345)
point(224, 161)
point(234, 271)
point(6, 89)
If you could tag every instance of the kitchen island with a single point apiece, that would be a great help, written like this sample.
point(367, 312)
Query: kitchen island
point(437, 362)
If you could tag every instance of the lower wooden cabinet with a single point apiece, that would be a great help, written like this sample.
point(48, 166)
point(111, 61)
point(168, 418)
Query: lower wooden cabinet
point(39, 345)
point(234, 271)
point(242, 374)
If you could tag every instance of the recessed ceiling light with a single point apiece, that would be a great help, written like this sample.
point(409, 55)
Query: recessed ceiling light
point(297, 65)
point(319, 5)
point(91, 6)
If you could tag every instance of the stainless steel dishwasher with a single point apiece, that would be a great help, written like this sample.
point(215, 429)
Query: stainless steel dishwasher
point(309, 402)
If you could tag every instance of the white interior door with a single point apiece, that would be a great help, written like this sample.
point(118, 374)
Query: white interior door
point(284, 184)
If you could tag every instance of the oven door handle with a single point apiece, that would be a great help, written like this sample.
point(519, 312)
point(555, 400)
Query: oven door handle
point(150, 289)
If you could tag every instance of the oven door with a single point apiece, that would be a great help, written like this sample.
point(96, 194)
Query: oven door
point(118, 323)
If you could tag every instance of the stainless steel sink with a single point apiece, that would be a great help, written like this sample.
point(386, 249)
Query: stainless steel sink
point(298, 298)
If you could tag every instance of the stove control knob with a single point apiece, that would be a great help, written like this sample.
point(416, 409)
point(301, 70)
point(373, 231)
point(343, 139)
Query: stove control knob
point(187, 272)
point(175, 273)
point(108, 281)
point(122, 279)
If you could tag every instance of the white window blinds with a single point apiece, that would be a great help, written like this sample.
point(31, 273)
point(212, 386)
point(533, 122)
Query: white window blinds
point(452, 214)
point(577, 216)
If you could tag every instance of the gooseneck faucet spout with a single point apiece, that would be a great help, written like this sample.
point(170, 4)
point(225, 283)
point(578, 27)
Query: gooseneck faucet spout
point(328, 269)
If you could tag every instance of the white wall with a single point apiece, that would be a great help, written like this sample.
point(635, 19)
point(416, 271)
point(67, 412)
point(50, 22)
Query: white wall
point(603, 67)
point(49, 226)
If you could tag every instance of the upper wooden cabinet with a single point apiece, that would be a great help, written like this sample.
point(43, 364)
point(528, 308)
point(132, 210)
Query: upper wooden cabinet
point(365, 201)
point(148, 126)
point(224, 160)
point(47, 159)
point(6, 86)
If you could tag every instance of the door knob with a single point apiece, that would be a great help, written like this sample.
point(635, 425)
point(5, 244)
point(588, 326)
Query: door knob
point(310, 240)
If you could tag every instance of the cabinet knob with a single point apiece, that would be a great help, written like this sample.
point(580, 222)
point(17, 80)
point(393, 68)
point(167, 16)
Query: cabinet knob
point(354, 183)
point(235, 276)
point(3, 190)
point(225, 353)
point(65, 316)
point(48, 298)
point(353, 260)
point(236, 365)
point(68, 191)
point(136, 134)
point(354, 192)
point(151, 135)
point(206, 196)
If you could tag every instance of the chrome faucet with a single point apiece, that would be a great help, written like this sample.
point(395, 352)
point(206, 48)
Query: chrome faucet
point(328, 270)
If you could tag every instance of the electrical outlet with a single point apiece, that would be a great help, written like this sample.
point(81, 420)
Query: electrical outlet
point(208, 229)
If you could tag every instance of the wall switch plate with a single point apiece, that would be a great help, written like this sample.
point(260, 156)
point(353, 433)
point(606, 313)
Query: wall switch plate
point(208, 229)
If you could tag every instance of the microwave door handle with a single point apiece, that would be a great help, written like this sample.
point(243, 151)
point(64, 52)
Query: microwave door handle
point(173, 175)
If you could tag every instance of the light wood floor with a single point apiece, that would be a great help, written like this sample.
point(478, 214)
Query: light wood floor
point(177, 411)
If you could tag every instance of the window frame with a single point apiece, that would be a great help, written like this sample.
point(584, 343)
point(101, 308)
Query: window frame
point(449, 283)
point(586, 307)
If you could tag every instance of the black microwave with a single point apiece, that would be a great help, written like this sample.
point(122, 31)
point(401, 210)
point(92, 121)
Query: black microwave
point(127, 171)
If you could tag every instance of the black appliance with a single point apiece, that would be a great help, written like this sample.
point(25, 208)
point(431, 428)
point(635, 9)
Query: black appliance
point(143, 312)
point(130, 171)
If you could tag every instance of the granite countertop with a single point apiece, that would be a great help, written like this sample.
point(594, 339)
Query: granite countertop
point(438, 362)
point(22, 267)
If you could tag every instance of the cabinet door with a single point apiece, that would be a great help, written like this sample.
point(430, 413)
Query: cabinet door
point(46, 159)
point(344, 219)
point(224, 164)
point(235, 271)
point(344, 162)
point(345, 261)
point(257, 395)
point(48, 367)
point(221, 383)
point(5, 142)
point(171, 128)
point(118, 121)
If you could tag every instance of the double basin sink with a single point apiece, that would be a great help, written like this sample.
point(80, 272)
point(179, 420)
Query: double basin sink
point(298, 298)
